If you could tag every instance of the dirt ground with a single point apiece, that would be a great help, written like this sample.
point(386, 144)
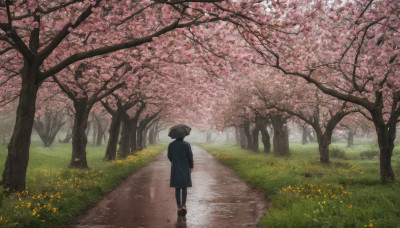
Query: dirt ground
point(218, 198)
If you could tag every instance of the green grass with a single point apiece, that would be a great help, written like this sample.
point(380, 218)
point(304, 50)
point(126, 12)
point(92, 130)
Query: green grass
point(55, 195)
point(305, 193)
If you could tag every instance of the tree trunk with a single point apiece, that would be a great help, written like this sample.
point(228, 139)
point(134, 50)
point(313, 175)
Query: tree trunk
point(100, 131)
point(144, 125)
point(254, 136)
point(350, 139)
point(111, 151)
point(324, 140)
point(144, 142)
point(100, 135)
point(125, 140)
point(79, 137)
point(262, 126)
point(304, 135)
point(386, 137)
point(68, 137)
point(133, 136)
point(152, 136)
point(16, 164)
point(311, 136)
point(281, 135)
point(243, 142)
point(48, 127)
point(95, 127)
point(208, 136)
point(266, 140)
point(139, 145)
point(249, 140)
point(88, 128)
point(237, 135)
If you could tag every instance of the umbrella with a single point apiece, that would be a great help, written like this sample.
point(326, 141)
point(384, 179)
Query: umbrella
point(179, 131)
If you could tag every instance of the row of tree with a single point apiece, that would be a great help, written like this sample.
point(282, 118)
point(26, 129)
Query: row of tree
point(318, 61)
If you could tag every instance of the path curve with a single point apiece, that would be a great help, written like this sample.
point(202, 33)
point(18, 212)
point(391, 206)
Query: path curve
point(218, 198)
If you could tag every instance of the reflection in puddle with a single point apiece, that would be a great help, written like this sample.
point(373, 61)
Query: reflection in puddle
point(152, 192)
point(181, 222)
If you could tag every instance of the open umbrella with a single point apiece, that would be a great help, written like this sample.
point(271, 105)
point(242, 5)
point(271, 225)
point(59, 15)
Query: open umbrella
point(179, 131)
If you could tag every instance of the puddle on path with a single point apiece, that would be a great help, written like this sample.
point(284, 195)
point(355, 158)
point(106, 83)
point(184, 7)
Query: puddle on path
point(218, 198)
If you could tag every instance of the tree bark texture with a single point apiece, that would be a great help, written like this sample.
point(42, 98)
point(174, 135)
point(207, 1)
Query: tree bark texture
point(281, 135)
point(125, 140)
point(16, 164)
point(386, 136)
point(79, 137)
point(111, 151)
point(324, 140)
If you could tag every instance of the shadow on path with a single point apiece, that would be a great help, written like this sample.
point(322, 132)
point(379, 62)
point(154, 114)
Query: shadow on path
point(218, 198)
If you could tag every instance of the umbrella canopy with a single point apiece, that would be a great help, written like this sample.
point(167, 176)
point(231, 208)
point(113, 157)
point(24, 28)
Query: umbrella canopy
point(179, 131)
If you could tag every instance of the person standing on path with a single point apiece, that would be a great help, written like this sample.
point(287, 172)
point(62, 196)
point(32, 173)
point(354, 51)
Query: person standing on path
point(181, 157)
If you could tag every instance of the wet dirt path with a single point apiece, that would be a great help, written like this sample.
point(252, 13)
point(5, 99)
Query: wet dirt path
point(218, 198)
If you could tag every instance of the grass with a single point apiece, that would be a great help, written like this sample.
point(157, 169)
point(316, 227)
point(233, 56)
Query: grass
point(305, 193)
point(55, 195)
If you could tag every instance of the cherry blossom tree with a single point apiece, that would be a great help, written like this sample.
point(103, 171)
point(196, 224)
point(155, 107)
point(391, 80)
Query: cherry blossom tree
point(48, 36)
point(348, 50)
point(90, 84)
point(306, 102)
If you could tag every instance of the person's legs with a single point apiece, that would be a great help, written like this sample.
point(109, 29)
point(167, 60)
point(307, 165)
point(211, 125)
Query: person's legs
point(184, 196)
point(178, 196)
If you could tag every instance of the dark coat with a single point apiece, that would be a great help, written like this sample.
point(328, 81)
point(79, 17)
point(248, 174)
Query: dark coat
point(181, 158)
